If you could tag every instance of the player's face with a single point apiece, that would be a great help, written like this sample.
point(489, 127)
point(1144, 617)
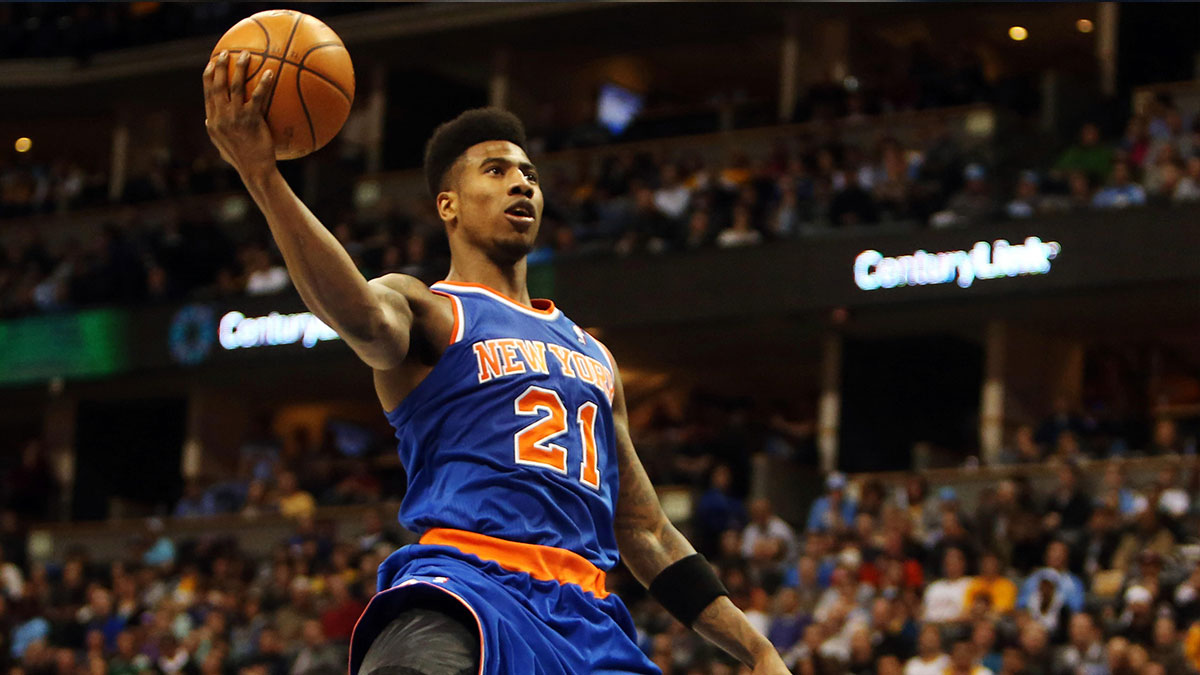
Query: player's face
point(498, 205)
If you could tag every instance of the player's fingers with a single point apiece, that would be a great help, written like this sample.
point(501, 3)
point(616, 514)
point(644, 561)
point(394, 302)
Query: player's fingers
point(220, 79)
point(237, 85)
point(207, 78)
point(258, 99)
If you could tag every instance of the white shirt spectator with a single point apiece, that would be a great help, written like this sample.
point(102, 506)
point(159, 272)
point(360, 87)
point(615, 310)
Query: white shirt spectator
point(918, 666)
point(268, 281)
point(946, 600)
point(775, 528)
point(11, 581)
point(672, 201)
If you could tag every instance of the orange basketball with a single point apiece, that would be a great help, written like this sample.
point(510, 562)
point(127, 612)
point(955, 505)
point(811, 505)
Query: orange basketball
point(314, 79)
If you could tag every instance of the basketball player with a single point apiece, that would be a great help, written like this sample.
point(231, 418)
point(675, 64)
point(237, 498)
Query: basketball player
point(511, 420)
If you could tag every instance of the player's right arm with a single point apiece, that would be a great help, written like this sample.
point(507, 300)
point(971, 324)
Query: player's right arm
point(375, 318)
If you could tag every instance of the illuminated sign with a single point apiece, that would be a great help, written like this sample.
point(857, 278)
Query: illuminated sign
point(1000, 259)
point(238, 331)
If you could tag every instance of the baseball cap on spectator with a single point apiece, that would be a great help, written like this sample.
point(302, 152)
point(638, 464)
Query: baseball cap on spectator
point(836, 481)
point(947, 494)
point(27, 633)
point(974, 171)
point(1138, 595)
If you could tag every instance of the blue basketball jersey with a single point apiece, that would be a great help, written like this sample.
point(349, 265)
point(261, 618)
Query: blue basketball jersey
point(511, 433)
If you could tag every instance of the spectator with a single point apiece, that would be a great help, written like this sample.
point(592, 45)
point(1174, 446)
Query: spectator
point(1089, 155)
point(1148, 533)
point(717, 509)
point(1121, 192)
point(291, 501)
point(1084, 653)
point(768, 543)
point(985, 646)
point(930, 659)
point(999, 591)
point(1069, 588)
point(963, 660)
point(1024, 448)
point(342, 612)
point(945, 599)
point(1026, 201)
point(1068, 508)
point(741, 232)
point(972, 205)
point(833, 510)
point(787, 626)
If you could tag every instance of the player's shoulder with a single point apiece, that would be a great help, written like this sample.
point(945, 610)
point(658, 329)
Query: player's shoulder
point(402, 283)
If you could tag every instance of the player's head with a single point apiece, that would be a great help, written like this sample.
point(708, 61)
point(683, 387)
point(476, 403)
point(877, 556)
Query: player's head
point(485, 187)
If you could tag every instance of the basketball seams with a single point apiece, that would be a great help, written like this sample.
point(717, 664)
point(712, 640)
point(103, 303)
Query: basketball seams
point(320, 75)
point(271, 97)
point(312, 132)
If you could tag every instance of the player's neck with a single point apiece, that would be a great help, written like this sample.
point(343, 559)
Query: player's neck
point(506, 279)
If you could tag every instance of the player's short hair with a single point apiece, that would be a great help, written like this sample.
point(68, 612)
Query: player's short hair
point(451, 139)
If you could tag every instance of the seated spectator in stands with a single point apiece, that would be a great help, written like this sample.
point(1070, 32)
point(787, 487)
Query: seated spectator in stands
point(953, 534)
point(893, 190)
point(1080, 191)
point(930, 658)
point(1148, 533)
point(718, 510)
point(263, 275)
point(317, 655)
point(673, 196)
point(1136, 141)
point(341, 611)
point(291, 501)
point(1069, 588)
point(1063, 418)
point(1167, 648)
point(1100, 541)
point(833, 510)
point(1121, 191)
point(196, 502)
point(1177, 187)
point(1187, 598)
point(972, 205)
point(984, 645)
point(1116, 494)
point(804, 579)
point(1084, 651)
point(784, 221)
point(1034, 644)
point(945, 598)
point(1000, 591)
point(893, 569)
point(377, 533)
point(1024, 449)
point(741, 230)
point(1136, 622)
point(1173, 500)
point(1026, 201)
point(1088, 155)
point(788, 624)
point(853, 205)
point(1165, 439)
point(963, 660)
point(768, 542)
point(1068, 508)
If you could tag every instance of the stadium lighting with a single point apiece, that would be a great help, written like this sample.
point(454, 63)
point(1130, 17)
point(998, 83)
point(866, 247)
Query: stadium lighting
point(1083, 25)
point(1018, 33)
point(23, 144)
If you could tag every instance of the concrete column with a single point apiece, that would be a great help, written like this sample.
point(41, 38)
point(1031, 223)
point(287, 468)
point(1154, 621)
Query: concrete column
point(991, 399)
point(789, 68)
point(376, 112)
point(58, 434)
point(119, 166)
point(829, 407)
point(1106, 46)
point(498, 84)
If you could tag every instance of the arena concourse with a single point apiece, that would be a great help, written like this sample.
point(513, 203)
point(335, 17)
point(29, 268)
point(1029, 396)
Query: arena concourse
point(906, 309)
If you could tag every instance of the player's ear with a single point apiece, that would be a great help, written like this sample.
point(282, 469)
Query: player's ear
point(447, 205)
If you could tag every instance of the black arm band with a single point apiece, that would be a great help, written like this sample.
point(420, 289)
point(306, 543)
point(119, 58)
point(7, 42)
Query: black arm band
point(686, 587)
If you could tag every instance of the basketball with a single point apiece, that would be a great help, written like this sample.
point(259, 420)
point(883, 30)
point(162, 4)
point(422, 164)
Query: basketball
point(314, 79)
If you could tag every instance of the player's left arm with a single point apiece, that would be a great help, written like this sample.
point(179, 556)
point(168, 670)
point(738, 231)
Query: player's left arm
point(649, 543)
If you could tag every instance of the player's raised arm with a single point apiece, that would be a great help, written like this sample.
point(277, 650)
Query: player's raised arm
point(664, 561)
point(373, 318)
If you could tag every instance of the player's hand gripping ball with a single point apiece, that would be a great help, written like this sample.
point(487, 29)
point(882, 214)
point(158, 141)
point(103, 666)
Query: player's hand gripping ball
point(282, 66)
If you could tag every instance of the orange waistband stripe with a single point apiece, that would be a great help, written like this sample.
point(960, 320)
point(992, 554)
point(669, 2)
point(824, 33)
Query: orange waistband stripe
point(547, 563)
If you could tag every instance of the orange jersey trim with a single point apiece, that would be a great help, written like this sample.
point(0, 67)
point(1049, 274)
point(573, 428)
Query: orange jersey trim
point(547, 563)
point(547, 306)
